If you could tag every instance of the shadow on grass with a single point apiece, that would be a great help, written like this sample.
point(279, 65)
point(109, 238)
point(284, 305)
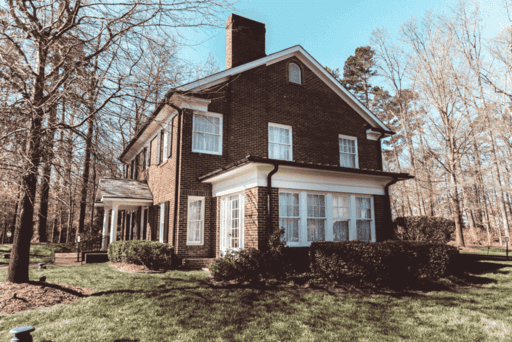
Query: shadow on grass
point(58, 287)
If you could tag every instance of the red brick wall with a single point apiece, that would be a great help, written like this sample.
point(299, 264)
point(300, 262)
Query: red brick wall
point(245, 41)
point(248, 102)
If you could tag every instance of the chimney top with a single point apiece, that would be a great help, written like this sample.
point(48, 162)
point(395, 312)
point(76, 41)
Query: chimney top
point(245, 40)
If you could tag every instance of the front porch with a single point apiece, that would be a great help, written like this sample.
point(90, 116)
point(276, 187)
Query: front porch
point(129, 197)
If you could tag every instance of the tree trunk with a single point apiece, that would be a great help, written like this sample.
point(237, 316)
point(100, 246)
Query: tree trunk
point(70, 218)
point(20, 253)
point(5, 223)
point(85, 177)
point(46, 176)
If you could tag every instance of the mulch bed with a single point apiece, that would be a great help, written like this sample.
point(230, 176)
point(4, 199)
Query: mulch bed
point(37, 294)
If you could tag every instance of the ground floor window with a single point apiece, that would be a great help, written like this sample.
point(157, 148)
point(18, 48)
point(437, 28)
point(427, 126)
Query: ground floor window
point(309, 216)
point(195, 225)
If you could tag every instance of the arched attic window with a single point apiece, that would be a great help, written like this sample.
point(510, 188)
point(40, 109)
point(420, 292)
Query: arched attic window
point(294, 73)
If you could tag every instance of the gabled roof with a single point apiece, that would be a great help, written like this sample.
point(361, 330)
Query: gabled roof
point(123, 189)
point(298, 52)
point(294, 51)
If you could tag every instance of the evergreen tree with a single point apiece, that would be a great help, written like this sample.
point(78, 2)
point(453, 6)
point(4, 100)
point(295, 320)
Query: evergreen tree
point(358, 73)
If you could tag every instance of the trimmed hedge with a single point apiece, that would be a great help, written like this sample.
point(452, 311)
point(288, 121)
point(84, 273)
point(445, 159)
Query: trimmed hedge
point(389, 263)
point(424, 228)
point(152, 254)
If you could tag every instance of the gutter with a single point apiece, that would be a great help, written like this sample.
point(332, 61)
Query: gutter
point(269, 197)
point(176, 177)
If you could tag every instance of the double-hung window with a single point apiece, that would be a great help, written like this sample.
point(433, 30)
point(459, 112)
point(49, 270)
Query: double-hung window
point(316, 217)
point(169, 139)
point(207, 133)
point(340, 217)
point(289, 216)
point(363, 218)
point(280, 142)
point(195, 225)
point(348, 151)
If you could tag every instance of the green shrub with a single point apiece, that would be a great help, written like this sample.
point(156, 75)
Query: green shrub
point(244, 265)
point(152, 254)
point(424, 228)
point(389, 263)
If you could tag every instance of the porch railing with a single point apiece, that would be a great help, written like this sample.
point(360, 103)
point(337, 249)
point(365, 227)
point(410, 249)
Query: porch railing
point(91, 245)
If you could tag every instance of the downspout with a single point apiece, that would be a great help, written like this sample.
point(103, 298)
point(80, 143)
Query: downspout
point(176, 177)
point(269, 197)
point(388, 200)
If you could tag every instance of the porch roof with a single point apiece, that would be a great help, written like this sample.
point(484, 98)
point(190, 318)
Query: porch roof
point(123, 191)
point(305, 165)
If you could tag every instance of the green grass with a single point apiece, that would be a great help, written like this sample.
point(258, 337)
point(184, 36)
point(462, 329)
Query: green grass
point(41, 253)
point(182, 306)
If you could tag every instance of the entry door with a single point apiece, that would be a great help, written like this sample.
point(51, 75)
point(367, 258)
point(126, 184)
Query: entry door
point(231, 223)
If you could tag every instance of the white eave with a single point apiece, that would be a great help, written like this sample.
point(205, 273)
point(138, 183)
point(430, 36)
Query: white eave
point(161, 119)
point(298, 52)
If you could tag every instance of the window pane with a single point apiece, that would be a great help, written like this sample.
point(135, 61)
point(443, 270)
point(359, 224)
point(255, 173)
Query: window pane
point(340, 230)
point(316, 230)
point(294, 73)
point(363, 208)
point(363, 230)
point(291, 229)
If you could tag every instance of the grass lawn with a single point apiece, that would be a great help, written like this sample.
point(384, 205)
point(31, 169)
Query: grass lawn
point(41, 253)
point(182, 306)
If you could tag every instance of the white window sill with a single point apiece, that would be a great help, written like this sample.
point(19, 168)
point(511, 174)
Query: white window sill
point(208, 152)
point(195, 244)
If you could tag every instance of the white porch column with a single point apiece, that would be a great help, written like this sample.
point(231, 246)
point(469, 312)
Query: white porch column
point(130, 231)
point(105, 229)
point(142, 237)
point(113, 226)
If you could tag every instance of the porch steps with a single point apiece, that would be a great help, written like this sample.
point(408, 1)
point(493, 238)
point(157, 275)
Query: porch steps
point(93, 258)
point(197, 263)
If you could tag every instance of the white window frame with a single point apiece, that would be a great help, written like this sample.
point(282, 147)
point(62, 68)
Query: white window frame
point(271, 124)
point(299, 218)
point(191, 199)
point(289, 73)
point(329, 219)
point(309, 193)
point(217, 115)
point(162, 222)
point(341, 136)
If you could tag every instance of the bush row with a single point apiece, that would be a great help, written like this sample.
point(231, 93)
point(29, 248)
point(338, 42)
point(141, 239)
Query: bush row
point(390, 263)
point(152, 254)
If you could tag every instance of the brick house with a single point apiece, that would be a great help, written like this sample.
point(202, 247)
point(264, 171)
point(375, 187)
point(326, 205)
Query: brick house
point(270, 132)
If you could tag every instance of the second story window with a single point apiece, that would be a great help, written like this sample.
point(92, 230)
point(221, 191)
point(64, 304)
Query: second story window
point(348, 151)
point(294, 73)
point(279, 142)
point(207, 133)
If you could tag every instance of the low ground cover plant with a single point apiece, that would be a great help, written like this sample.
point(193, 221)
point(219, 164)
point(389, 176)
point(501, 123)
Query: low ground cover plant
point(389, 263)
point(152, 254)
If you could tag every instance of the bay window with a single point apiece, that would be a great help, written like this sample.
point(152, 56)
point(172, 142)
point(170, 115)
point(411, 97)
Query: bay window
point(289, 216)
point(311, 217)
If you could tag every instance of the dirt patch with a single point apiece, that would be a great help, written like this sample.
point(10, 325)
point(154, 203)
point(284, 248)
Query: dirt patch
point(131, 268)
point(37, 294)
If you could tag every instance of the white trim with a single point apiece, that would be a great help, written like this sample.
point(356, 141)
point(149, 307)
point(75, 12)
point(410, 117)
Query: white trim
point(372, 135)
point(221, 123)
point(142, 219)
point(202, 199)
point(272, 124)
point(298, 52)
point(349, 137)
point(255, 174)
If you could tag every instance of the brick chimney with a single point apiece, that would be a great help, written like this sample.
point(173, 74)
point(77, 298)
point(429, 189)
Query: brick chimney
point(245, 41)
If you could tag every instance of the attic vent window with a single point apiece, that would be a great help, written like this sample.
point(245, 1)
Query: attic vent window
point(294, 74)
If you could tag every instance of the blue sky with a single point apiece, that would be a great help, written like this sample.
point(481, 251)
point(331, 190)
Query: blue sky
point(329, 30)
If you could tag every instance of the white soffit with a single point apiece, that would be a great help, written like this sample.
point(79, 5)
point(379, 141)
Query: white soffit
point(296, 178)
point(299, 52)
